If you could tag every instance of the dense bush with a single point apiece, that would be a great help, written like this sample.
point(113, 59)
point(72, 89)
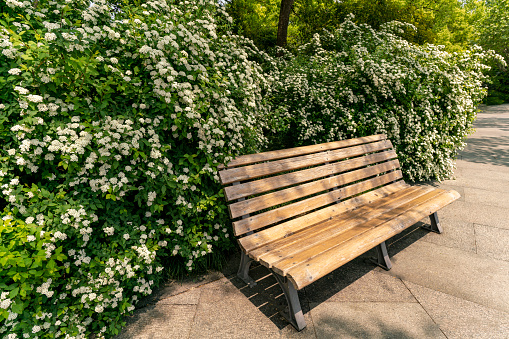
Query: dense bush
point(113, 119)
point(357, 81)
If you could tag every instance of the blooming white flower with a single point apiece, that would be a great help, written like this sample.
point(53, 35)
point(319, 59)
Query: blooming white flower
point(109, 230)
point(50, 36)
point(34, 98)
point(21, 90)
point(14, 71)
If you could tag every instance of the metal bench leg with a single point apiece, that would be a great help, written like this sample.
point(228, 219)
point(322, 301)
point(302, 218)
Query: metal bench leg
point(383, 259)
point(294, 315)
point(243, 273)
point(435, 224)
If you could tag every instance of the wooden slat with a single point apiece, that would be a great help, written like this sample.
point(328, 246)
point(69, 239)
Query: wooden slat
point(270, 217)
point(337, 255)
point(284, 264)
point(286, 229)
point(269, 168)
point(284, 180)
point(297, 151)
point(275, 251)
point(280, 197)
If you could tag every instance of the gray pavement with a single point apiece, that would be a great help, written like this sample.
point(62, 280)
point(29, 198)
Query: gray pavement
point(452, 285)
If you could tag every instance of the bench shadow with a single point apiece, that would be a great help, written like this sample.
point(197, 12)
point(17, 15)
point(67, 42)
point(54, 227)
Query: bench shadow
point(268, 297)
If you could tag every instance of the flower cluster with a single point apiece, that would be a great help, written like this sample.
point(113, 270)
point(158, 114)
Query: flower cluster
point(357, 81)
point(115, 118)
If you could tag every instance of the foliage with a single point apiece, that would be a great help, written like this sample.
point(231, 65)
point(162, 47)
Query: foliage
point(356, 81)
point(29, 257)
point(494, 34)
point(445, 22)
point(114, 117)
point(255, 20)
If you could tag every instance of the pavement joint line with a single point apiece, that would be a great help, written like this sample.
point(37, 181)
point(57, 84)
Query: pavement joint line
point(460, 298)
point(425, 310)
point(478, 224)
point(194, 317)
point(153, 303)
point(312, 321)
point(475, 240)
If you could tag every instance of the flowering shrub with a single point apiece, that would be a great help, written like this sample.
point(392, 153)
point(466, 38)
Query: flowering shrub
point(357, 81)
point(113, 121)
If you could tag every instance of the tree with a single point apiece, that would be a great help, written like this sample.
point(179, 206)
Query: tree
point(292, 23)
point(284, 19)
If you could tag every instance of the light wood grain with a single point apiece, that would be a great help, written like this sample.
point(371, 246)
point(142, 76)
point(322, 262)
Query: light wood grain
point(286, 229)
point(296, 151)
point(274, 167)
point(286, 195)
point(277, 215)
point(308, 247)
point(337, 254)
point(284, 180)
point(282, 266)
point(282, 248)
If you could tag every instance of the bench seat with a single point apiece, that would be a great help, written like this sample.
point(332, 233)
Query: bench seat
point(304, 212)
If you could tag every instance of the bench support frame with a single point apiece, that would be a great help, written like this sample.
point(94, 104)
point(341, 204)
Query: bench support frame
point(383, 259)
point(294, 314)
point(435, 224)
point(243, 273)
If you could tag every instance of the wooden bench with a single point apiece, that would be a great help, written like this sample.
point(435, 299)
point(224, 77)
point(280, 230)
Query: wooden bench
point(305, 211)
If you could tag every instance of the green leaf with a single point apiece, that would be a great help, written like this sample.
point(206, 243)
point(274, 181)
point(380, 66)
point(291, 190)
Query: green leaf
point(14, 293)
point(17, 307)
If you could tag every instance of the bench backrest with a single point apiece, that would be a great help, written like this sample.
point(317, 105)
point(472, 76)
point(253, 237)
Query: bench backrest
point(302, 185)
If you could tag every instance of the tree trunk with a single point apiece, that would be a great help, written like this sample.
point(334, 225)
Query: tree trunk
point(284, 19)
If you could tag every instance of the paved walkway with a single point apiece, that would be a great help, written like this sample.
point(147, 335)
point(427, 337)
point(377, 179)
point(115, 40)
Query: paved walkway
point(453, 285)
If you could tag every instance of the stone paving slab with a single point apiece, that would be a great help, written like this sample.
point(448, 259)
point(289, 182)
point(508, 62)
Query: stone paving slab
point(462, 274)
point(474, 213)
point(160, 322)
point(459, 318)
point(225, 312)
point(358, 282)
point(463, 164)
point(457, 233)
point(485, 182)
point(190, 297)
point(486, 197)
point(174, 287)
point(373, 320)
point(492, 242)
